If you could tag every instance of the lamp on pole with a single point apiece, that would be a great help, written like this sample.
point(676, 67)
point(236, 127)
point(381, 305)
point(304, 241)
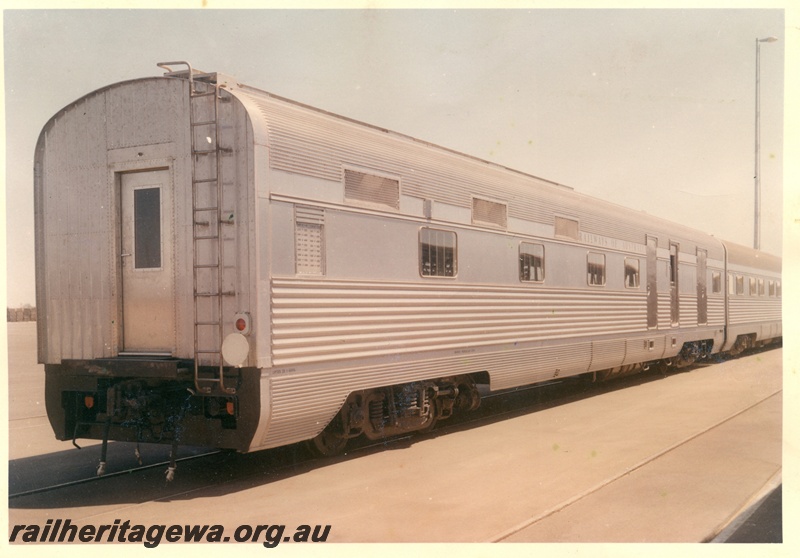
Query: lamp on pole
point(757, 176)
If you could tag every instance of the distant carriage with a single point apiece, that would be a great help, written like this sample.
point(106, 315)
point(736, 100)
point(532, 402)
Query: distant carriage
point(220, 266)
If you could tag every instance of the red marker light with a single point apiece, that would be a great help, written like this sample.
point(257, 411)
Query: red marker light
point(88, 401)
point(241, 323)
point(229, 407)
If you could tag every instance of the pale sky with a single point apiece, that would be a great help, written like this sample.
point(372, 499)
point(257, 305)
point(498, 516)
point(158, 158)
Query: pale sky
point(651, 109)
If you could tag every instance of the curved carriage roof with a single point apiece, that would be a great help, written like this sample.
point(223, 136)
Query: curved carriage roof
point(429, 171)
point(744, 256)
point(328, 142)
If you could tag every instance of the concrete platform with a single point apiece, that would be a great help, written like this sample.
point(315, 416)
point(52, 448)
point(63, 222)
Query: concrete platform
point(664, 459)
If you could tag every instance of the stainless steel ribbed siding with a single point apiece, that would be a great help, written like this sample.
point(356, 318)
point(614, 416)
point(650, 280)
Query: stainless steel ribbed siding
point(301, 409)
point(315, 321)
point(743, 310)
point(306, 141)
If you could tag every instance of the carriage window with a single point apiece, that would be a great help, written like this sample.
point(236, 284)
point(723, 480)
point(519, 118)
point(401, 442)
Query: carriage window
point(632, 273)
point(778, 289)
point(147, 228)
point(596, 269)
point(752, 286)
point(437, 253)
point(531, 262)
point(739, 284)
point(760, 287)
point(716, 282)
point(772, 288)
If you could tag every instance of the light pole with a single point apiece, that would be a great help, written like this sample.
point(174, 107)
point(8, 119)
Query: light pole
point(757, 176)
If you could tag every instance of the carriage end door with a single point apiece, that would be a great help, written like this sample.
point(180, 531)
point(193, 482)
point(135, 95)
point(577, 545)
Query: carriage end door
point(146, 262)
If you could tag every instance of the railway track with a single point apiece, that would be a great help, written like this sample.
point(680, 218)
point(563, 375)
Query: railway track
point(106, 476)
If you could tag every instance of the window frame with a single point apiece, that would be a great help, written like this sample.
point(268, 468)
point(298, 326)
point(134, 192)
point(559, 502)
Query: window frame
point(521, 260)
point(716, 282)
point(148, 231)
point(590, 276)
point(453, 248)
point(637, 275)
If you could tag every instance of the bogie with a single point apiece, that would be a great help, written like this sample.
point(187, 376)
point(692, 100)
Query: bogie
point(390, 411)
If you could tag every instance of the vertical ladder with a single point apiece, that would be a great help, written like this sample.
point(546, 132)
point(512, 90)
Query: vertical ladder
point(207, 229)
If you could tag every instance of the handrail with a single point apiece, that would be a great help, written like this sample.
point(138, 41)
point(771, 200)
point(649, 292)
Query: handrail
point(167, 66)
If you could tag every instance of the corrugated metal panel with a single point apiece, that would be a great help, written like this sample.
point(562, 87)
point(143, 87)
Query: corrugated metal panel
point(305, 141)
point(743, 310)
point(368, 188)
point(303, 404)
point(607, 354)
point(716, 311)
point(316, 321)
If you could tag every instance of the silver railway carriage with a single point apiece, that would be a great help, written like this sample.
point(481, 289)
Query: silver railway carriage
point(220, 266)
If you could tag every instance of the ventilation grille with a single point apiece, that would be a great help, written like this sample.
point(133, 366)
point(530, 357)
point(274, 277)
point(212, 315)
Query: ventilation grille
point(372, 190)
point(309, 240)
point(567, 228)
point(487, 212)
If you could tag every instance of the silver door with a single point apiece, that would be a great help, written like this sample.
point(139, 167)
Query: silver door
point(702, 296)
point(148, 301)
point(674, 287)
point(652, 282)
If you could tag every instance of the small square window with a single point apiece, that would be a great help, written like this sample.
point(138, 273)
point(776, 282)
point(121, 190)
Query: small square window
point(437, 253)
